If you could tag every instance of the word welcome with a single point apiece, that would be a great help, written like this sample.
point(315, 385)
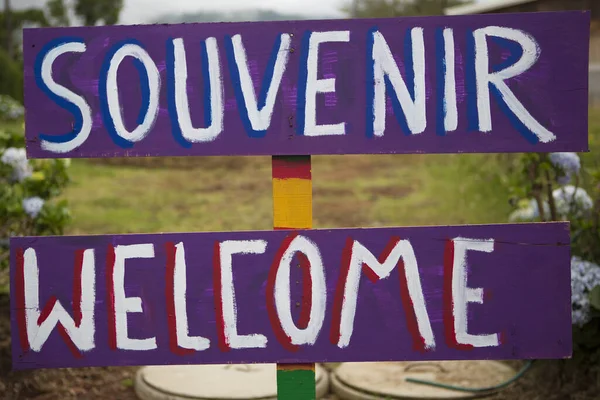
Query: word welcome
point(182, 77)
point(156, 295)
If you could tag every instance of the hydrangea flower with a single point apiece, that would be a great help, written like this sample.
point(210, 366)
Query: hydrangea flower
point(10, 108)
point(14, 156)
point(17, 158)
point(33, 206)
point(525, 214)
point(529, 212)
point(584, 277)
point(571, 200)
point(22, 172)
point(569, 163)
point(564, 180)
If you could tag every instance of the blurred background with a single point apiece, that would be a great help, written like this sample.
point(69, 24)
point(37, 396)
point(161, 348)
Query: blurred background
point(43, 197)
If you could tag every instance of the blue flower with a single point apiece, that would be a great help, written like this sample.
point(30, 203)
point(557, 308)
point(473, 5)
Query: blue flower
point(564, 180)
point(570, 200)
point(14, 156)
point(584, 277)
point(10, 108)
point(569, 163)
point(529, 211)
point(33, 206)
point(17, 158)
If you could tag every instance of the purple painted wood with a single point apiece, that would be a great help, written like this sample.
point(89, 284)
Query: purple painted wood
point(553, 91)
point(525, 279)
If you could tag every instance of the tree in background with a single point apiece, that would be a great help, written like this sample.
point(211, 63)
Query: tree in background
point(94, 11)
point(11, 22)
point(59, 15)
point(56, 13)
point(90, 12)
point(397, 8)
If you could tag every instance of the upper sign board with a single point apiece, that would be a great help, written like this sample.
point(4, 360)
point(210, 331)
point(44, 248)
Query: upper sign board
point(485, 83)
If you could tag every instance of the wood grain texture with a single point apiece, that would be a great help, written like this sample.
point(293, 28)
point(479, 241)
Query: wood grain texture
point(292, 209)
point(560, 107)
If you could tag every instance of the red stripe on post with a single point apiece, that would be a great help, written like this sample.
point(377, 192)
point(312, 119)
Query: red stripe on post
point(291, 167)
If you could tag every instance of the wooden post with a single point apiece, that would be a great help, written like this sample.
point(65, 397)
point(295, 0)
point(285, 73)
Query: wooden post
point(292, 209)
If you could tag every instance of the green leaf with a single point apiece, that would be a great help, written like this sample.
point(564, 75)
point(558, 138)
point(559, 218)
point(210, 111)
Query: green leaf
point(127, 382)
point(37, 176)
point(595, 297)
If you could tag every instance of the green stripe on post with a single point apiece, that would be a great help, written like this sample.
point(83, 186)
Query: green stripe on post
point(296, 384)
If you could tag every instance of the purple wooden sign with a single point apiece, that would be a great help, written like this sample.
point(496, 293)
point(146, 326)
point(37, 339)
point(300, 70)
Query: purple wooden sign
point(486, 83)
point(429, 293)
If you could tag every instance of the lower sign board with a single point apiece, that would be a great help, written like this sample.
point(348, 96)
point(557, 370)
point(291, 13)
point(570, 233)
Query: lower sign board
point(380, 294)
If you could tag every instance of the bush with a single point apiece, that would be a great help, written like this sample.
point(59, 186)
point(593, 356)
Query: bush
point(10, 109)
point(557, 187)
point(28, 191)
point(11, 77)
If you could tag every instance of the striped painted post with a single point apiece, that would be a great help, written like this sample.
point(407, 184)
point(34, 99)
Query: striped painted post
point(292, 209)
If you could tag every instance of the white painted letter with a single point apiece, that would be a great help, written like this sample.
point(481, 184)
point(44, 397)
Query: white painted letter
point(315, 85)
point(450, 105)
point(68, 95)
point(318, 292)
point(385, 65)
point(125, 305)
point(112, 92)
point(260, 120)
point(531, 53)
point(185, 341)
point(227, 250)
point(182, 106)
point(461, 294)
point(361, 256)
point(81, 332)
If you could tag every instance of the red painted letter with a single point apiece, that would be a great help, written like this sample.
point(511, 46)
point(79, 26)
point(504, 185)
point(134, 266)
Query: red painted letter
point(35, 326)
point(398, 252)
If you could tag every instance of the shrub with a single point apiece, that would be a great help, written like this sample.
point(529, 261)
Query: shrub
point(28, 192)
point(11, 77)
point(10, 109)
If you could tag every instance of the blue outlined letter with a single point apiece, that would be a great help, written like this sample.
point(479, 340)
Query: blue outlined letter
point(384, 75)
point(179, 108)
point(309, 85)
point(109, 93)
point(63, 97)
point(256, 113)
point(494, 82)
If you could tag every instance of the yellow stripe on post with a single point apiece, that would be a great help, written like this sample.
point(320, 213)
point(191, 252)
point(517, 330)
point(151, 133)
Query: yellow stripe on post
point(292, 203)
point(292, 209)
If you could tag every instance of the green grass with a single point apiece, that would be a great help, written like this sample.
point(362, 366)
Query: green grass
point(593, 157)
point(234, 193)
point(12, 126)
point(349, 191)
